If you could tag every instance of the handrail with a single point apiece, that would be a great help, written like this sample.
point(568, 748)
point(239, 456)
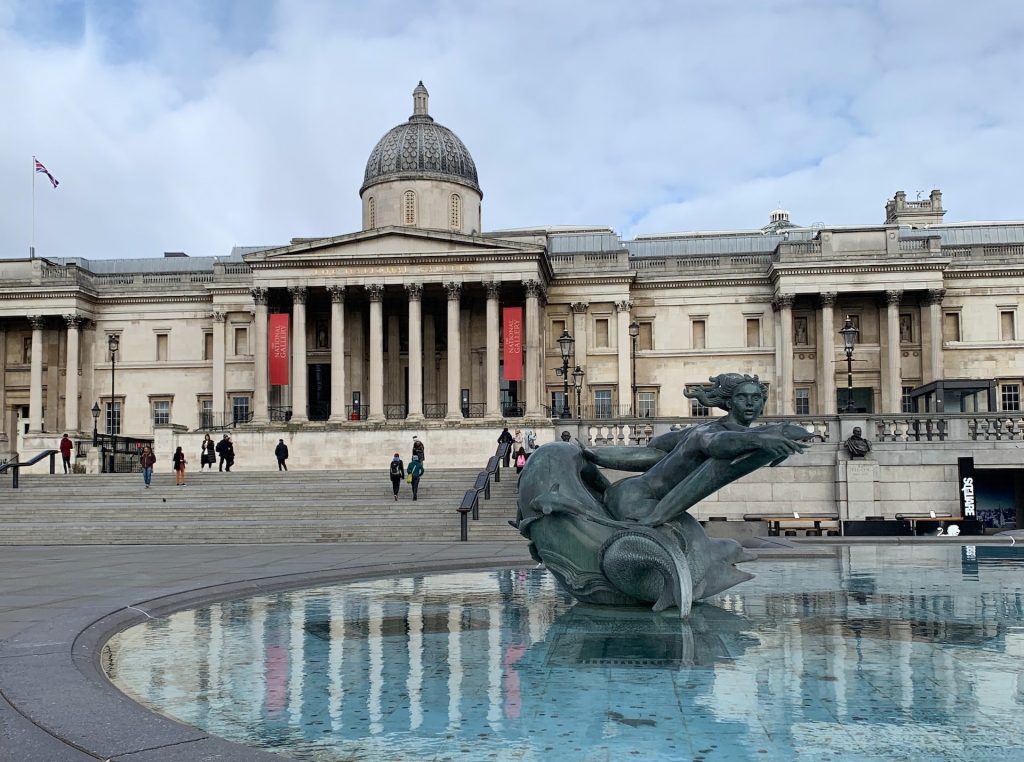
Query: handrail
point(471, 500)
point(15, 465)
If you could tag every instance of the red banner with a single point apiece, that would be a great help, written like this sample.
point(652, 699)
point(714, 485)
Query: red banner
point(512, 317)
point(278, 348)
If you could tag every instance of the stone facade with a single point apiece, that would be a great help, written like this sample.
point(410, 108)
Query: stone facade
point(397, 328)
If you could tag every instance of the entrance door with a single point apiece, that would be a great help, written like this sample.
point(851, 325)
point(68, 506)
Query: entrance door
point(21, 427)
point(319, 390)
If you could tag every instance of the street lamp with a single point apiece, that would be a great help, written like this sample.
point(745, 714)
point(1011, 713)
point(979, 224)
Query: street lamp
point(577, 382)
point(565, 342)
point(849, 334)
point(95, 417)
point(113, 342)
point(634, 332)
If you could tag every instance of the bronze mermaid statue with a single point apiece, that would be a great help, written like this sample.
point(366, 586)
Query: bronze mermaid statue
point(632, 542)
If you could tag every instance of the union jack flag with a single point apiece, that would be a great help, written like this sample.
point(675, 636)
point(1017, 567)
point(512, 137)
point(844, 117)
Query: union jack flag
point(45, 171)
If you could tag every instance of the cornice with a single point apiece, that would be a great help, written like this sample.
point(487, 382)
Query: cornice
point(618, 279)
point(1010, 271)
point(776, 270)
point(299, 261)
point(702, 283)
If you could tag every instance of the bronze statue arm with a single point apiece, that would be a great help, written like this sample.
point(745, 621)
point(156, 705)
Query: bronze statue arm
point(727, 445)
point(624, 458)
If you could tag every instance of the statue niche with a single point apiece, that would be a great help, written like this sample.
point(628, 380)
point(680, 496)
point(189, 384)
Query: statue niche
point(632, 542)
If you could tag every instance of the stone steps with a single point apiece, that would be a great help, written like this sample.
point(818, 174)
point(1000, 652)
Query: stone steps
point(250, 507)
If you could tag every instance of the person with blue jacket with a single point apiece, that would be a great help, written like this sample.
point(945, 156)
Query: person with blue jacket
point(415, 472)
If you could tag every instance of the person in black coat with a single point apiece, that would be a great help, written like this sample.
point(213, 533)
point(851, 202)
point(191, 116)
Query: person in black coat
point(281, 453)
point(397, 472)
point(506, 437)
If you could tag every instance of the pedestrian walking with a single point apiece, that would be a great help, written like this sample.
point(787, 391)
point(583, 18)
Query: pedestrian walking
point(147, 460)
point(417, 450)
point(226, 450)
point(520, 460)
point(531, 442)
point(178, 461)
point(397, 472)
point(207, 453)
point(506, 438)
point(517, 440)
point(66, 446)
point(415, 472)
point(281, 453)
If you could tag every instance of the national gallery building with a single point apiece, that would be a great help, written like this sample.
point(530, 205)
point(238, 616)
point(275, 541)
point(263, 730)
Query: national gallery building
point(422, 322)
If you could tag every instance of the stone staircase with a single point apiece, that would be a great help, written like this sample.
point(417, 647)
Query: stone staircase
point(246, 507)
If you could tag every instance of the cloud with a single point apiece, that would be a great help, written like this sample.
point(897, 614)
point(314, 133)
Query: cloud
point(197, 126)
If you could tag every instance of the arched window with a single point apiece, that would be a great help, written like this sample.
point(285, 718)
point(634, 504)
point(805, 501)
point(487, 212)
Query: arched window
point(409, 208)
point(455, 212)
point(371, 212)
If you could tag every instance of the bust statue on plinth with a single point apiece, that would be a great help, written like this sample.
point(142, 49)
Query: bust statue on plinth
point(857, 445)
point(633, 542)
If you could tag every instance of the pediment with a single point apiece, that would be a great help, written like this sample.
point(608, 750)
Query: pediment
point(392, 243)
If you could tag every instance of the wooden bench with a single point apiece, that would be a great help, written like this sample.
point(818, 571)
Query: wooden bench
point(810, 522)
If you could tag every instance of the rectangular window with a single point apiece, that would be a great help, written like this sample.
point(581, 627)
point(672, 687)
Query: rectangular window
point(951, 326)
point(601, 332)
point(800, 331)
point(802, 401)
point(1007, 328)
point(1010, 394)
point(113, 418)
point(698, 410)
point(645, 341)
point(646, 404)
point(207, 346)
point(698, 333)
point(906, 401)
point(161, 347)
point(603, 403)
point(557, 404)
point(161, 412)
point(906, 329)
point(753, 332)
point(240, 409)
point(241, 340)
point(557, 326)
point(205, 414)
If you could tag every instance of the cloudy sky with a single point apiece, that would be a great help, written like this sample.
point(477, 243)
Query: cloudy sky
point(196, 125)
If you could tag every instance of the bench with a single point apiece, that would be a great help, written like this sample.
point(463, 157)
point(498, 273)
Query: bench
point(912, 519)
point(810, 522)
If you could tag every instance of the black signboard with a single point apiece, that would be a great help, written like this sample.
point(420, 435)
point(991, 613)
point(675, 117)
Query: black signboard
point(967, 486)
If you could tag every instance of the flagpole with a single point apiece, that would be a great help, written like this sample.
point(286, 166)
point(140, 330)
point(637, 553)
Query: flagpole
point(32, 246)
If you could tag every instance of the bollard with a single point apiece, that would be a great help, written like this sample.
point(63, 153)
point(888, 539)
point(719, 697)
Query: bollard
point(53, 462)
point(14, 477)
point(464, 529)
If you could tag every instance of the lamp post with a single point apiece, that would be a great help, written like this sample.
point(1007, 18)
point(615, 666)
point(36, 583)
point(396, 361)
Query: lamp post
point(113, 342)
point(95, 418)
point(634, 332)
point(565, 343)
point(849, 334)
point(577, 382)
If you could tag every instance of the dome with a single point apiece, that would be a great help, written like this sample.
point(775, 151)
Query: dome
point(420, 149)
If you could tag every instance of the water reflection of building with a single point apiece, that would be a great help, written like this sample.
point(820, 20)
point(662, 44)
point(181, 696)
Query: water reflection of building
point(449, 658)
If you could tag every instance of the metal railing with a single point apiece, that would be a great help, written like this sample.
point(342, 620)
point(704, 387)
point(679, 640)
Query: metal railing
point(474, 410)
point(221, 421)
point(471, 500)
point(120, 455)
point(395, 412)
point(279, 413)
point(435, 410)
point(15, 465)
point(357, 412)
point(513, 410)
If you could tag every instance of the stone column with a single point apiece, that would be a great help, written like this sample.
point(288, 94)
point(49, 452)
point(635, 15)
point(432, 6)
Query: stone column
point(532, 363)
point(454, 412)
point(376, 390)
point(415, 412)
point(625, 349)
point(493, 410)
point(827, 354)
point(260, 399)
point(934, 370)
point(3, 384)
point(338, 388)
point(579, 332)
point(893, 388)
point(71, 374)
point(786, 325)
point(776, 394)
point(35, 390)
point(217, 384)
point(300, 406)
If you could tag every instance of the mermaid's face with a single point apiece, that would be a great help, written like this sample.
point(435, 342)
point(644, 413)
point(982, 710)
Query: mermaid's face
point(746, 404)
